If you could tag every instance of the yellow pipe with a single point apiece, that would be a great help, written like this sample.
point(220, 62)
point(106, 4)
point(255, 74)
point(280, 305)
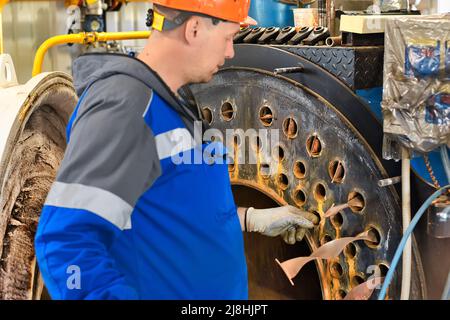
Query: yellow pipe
point(82, 38)
point(2, 4)
point(67, 3)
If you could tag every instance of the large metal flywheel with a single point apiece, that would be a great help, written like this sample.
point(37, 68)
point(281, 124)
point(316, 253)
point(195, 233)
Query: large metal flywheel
point(329, 152)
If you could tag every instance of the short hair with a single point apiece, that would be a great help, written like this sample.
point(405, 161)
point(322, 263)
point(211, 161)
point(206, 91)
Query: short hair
point(179, 17)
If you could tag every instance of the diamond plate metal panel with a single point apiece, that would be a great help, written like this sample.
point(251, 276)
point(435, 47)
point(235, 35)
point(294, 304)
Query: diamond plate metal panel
point(357, 67)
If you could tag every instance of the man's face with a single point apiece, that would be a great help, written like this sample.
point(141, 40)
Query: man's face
point(215, 45)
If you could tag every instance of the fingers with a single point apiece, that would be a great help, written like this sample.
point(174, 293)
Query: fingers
point(299, 221)
point(305, 214)
point(293, 235)
point(311, 217)
point(289, 236)
point(284, 236)
point(299, 234)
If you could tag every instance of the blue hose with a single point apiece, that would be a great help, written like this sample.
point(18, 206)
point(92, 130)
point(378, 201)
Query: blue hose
point(446, 293)
point(405, 237)
point(445, 161)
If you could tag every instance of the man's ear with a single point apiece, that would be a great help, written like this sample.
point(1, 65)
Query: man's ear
point(192, 29)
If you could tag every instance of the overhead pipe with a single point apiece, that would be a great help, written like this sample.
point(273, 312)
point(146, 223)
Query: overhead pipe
point(83, 38)
point(59, 40)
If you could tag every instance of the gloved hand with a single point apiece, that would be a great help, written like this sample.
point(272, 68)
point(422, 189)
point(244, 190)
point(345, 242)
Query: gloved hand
point(288, 221)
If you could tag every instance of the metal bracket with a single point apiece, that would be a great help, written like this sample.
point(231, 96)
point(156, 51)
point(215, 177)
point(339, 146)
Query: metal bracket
point(8, 76)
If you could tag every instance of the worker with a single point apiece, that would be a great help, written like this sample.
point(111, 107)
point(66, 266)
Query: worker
point(123, 220)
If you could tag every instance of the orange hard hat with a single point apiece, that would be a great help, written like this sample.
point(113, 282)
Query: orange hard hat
point(229, 10)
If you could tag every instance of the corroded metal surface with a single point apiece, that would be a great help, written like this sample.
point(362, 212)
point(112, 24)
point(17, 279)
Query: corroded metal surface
point(35, 115)
point(326, 160)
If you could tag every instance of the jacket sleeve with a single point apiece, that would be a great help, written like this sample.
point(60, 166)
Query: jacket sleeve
point(110, 161)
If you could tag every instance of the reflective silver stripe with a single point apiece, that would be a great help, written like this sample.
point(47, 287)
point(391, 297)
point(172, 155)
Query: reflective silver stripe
point(173, 142)
point(148, 104)
point(101, 202)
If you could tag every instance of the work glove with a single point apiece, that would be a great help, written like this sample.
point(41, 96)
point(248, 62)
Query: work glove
point(288, 222)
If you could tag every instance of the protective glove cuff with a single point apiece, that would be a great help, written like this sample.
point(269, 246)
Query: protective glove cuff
point(247, 217)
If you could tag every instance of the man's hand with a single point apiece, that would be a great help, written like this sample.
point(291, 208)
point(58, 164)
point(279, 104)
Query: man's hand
point(288, 221)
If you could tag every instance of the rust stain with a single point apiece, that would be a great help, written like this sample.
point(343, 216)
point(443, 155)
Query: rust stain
point(280, 188)
point(338, 173)
point(338, 232)
point(235, 172)
point(322, 220)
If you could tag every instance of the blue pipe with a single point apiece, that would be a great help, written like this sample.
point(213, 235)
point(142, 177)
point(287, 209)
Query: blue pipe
point(272, 13)
point(406, 235)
